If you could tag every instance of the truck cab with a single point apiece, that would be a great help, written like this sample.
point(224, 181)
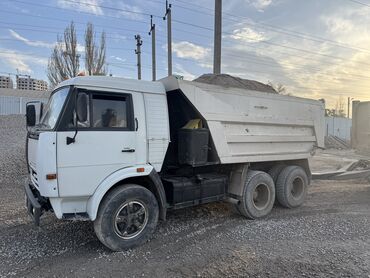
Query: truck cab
point(114, 151)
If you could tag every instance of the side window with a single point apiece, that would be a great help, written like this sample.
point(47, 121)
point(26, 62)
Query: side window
point(83, 106)
point(110, 111)
point(71, 117)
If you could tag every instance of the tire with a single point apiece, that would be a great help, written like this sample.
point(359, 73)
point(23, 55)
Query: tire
point(275, 171)
point(127, 217)
point(291, 187)
point(258, 195)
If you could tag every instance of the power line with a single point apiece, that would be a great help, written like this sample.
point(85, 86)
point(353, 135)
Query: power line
point(191, 60)
point(254, 60)
point(111, 8)
point(68, 21)
point(210, 29)
point(272, 43)
point(75, 11)
point(205, 28)
point(285, 31)
point(35, 55)
point(44, 31)
point(360, 3)
point(231, 17)
point(293, 67)
point(126, 65)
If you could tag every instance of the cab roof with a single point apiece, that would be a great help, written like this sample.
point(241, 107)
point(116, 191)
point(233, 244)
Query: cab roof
point(116, 83)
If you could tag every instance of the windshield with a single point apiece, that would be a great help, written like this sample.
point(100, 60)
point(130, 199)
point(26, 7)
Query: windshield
point(53, 108)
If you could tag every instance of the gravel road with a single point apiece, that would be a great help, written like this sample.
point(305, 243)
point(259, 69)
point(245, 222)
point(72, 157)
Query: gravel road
point(327, 237)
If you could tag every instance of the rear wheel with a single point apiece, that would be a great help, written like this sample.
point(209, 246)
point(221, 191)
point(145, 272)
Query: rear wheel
point(291, 187)
point(127, 217)
point(258, 195)
point(275, 171)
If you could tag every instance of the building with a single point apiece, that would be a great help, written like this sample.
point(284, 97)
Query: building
point(28, 83)
point(6, 82)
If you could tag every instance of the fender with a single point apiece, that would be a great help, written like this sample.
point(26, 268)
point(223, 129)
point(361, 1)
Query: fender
point(159, 193)
point(120, 175)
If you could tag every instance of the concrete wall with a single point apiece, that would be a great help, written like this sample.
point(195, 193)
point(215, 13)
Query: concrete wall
point(361, 125)
point(16, 105)
point(13, 101)
point(340, 127)
point(24, 93)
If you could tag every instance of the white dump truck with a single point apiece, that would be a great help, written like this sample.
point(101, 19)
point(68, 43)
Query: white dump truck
point(122, 153)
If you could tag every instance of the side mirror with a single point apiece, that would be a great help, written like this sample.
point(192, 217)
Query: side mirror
point(81, 107)
point(82, 102)
point(31, 115)
point(41, 110)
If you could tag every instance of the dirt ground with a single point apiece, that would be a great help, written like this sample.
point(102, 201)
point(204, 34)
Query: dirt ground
point(329, 236)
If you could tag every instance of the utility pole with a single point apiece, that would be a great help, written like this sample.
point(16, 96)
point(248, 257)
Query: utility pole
point(139, 42)
point(169, 36)
point(217, 37)
point(152, 33)
point(349, 101)
point(349, 106)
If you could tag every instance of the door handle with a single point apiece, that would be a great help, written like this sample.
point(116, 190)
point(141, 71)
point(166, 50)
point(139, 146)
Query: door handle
point(128, 150)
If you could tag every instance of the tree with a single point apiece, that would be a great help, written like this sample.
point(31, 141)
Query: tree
point(94, 56)
point(338, 111)
point(64, 61)
point(340, 107)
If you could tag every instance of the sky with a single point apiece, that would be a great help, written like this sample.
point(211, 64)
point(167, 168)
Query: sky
point(316, 49)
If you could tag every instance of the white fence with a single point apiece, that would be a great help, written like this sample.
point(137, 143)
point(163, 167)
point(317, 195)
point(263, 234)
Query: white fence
point(340, 127)
point(16, 105)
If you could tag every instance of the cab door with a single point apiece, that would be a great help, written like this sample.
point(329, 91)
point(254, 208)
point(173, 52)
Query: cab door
point(107, 141)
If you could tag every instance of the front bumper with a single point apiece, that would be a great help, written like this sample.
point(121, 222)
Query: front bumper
point(33, 206)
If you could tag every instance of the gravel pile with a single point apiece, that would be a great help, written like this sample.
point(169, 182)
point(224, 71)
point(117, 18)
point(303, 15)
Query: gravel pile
point(12, 147)
point(227, 80)
point(13, 171)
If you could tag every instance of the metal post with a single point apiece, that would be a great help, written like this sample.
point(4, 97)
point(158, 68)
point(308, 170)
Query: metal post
point(78, 62)
point(349, 103)
point(152, 33)
point(20, 105)
point(217, 37)
point(139, 42)
point(169, 36)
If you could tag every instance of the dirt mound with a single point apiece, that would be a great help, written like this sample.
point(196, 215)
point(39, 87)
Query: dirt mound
point(226, 80)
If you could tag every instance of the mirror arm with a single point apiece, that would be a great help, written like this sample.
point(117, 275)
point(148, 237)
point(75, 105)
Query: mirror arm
point(70, 140)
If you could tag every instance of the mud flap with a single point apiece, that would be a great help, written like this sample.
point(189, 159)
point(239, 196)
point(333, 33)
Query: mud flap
point(32, 204)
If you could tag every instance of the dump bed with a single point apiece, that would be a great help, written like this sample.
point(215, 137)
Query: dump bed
point(252, 126)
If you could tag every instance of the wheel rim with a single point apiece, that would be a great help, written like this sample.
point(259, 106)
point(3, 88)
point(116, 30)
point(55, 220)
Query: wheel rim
point(297, 189)
point(261, 196)
point(131, 219)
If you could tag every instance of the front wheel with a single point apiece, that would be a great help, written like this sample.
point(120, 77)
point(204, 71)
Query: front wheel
point(127, 217)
